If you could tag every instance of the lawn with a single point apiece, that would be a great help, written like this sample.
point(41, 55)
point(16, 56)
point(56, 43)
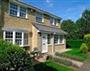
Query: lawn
point(76, 54)
point(51, 66)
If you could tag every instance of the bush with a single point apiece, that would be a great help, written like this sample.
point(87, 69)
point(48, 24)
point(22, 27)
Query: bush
point(72, 43)
point(14, 58)
point(83, 48)
point(87, 40)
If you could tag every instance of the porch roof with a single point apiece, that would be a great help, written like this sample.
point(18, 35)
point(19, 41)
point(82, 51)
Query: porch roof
point(49, 30)
point(16, 29)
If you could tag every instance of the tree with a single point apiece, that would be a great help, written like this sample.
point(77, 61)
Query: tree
point(80, 28)
point(83, 24)
point(68, 26)
point(86, 17)
point(14, 58)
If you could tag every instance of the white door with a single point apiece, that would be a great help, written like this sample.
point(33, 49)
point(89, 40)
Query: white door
point(44, 43)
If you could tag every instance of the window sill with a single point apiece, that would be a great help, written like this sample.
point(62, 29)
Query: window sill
point(19, 17)
point(59, 44)
point(49, 44)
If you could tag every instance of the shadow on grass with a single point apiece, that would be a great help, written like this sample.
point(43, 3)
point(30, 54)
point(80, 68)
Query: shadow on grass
point(43, 67)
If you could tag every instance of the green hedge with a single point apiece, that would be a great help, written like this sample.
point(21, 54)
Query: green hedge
point(74, 43)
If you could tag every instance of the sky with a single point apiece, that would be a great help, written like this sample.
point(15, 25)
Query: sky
point(66, 9)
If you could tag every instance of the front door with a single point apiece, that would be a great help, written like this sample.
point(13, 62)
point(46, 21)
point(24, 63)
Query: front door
point(44, 43)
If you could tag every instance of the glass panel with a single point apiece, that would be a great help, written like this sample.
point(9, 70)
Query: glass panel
point(56, 39)
point(13, 9)
point(49, 39)
point(9, 36)
point(22, 12)
point(39, 19)
point(61, 39)
point(18, 38)
point(25, 38)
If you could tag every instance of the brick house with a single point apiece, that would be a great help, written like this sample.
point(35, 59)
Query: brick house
point(30, 27)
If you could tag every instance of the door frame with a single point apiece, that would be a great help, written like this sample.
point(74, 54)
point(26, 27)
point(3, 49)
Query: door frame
point(46, 45)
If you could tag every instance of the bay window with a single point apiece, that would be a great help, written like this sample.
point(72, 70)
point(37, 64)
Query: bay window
point(19, 38)
point(9, 36)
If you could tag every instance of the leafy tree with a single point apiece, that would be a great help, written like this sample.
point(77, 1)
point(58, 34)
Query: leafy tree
point(83, 25)
point(68, 26)
point(86, 17)
point(80, 28)
point(14, 58)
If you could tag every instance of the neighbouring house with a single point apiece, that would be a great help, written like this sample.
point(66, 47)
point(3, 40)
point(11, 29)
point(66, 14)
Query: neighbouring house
point(30, 27)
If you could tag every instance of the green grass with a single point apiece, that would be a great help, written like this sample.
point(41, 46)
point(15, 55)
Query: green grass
point(51, 66)
point(76, 54)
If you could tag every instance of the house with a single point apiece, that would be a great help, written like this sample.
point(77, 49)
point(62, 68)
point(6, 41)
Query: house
point(30, 27)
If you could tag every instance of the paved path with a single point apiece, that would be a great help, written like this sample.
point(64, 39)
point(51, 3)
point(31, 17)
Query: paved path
point(86, 65)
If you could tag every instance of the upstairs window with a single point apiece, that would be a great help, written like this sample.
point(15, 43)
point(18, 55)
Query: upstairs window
point(22, 12)
point(39, 18)
point(53, 21)
point(16, 10)
point(13, 9)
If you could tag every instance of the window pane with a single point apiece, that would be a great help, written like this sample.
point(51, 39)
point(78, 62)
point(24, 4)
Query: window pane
point(25, 38)
point(9, 36)
point(56, 39)
point(49, 39)
point(61, 39)
point(51, 21)
point(19, 35)
point(22, 12)
point(39, 19)
point(18, 38)
point(13, 9)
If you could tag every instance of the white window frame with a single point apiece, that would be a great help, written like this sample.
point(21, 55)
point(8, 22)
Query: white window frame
point(38, 15)
point(54, 39)
point(53, 21)
point(8, 39)
point(14, 37)
point(18, 11)
point(59, 39)
point(13, 9)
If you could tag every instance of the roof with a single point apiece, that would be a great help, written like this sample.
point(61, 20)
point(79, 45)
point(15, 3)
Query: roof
point(49, 30)
point(35, 8)
point(16, 29)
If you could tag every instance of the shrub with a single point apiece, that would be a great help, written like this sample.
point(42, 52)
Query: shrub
point(87, 40)
point(83, 48)
point(14, 58)
point(72, 43)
